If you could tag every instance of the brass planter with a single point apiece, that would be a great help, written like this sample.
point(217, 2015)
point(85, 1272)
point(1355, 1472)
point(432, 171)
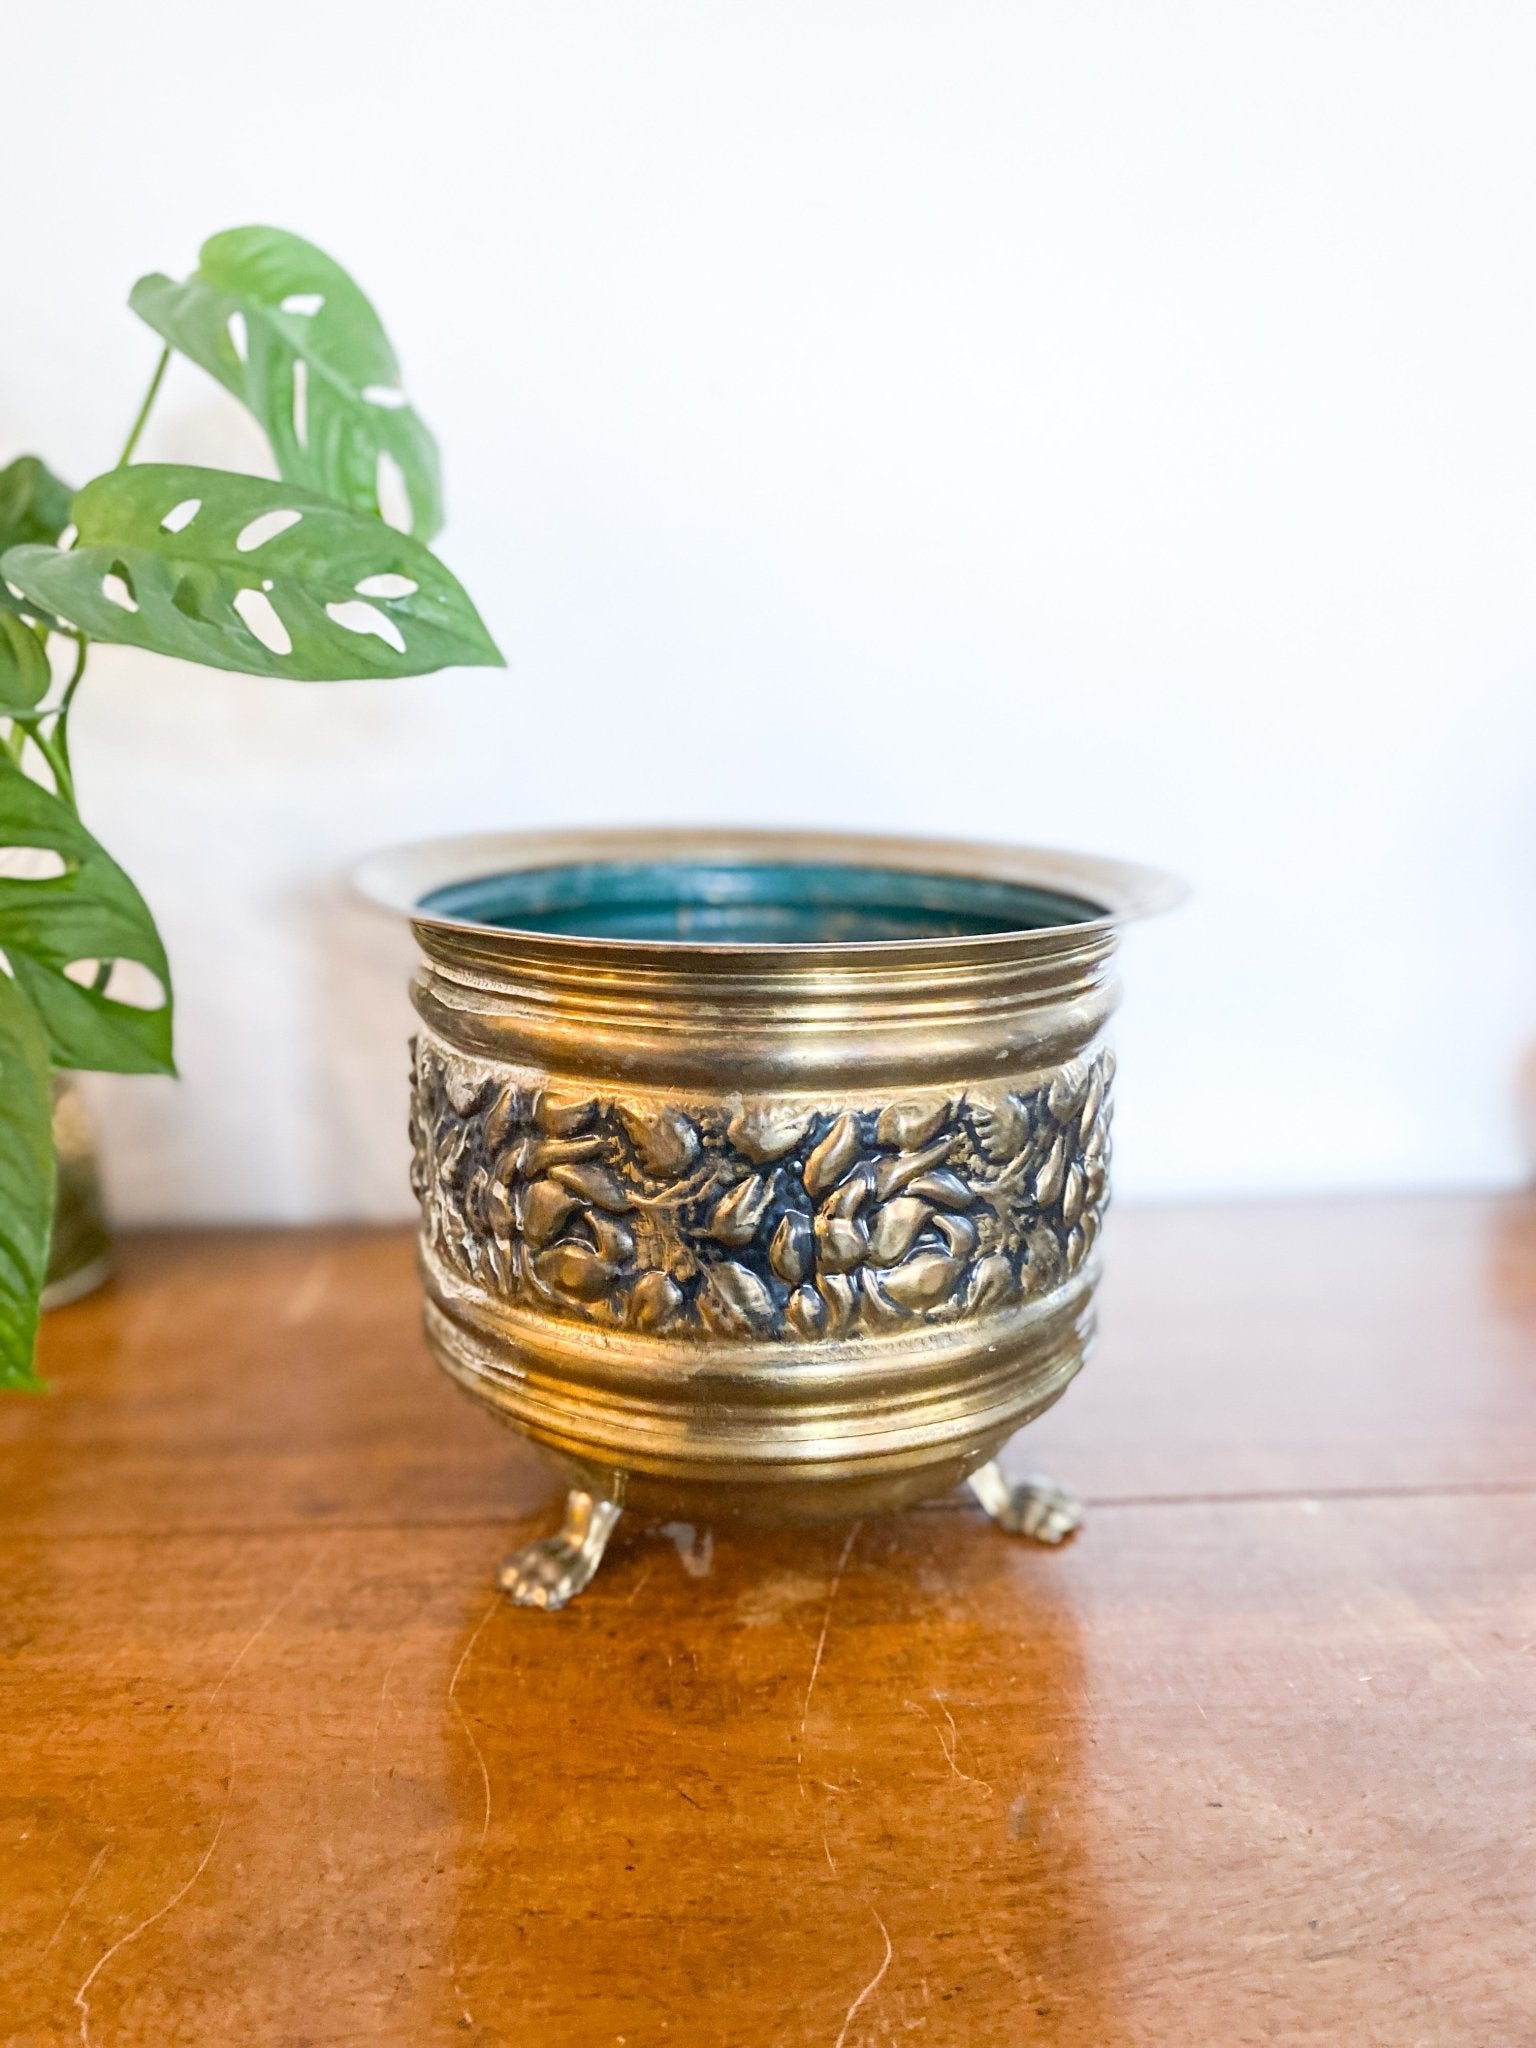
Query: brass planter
point(761, 1174)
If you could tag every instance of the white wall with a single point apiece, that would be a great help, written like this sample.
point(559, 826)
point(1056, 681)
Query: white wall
point(1112, 424)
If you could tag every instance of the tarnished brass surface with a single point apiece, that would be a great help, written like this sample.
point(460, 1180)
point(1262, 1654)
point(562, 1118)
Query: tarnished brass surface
point(782, 1231)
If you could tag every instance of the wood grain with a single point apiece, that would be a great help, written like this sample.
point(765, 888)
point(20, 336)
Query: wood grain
point(279, 1770)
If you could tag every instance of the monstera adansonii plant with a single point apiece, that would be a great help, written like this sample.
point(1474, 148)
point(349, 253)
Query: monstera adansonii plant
point(323, 576)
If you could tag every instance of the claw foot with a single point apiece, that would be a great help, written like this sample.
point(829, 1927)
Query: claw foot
point(1033, 1507)
point(554, 1569)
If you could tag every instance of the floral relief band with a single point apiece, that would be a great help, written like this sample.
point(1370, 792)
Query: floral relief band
point(772, 1220)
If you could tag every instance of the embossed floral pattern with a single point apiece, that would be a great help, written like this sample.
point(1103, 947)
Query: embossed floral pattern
point(796, 1222)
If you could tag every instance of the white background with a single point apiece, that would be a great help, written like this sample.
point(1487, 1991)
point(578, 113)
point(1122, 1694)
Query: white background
point(1110, 424)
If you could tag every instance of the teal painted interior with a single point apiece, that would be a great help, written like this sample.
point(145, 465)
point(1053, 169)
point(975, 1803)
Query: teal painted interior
point(751, 903)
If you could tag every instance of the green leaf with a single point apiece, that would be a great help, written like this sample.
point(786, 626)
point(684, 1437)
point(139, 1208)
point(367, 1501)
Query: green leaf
point(26, 1180)
point(288, 332)
point(24, 671)
point(34, 505)
point(86, 917)
point(190, 562)
point(34, 508)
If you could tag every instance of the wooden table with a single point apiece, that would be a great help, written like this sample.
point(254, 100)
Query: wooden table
point(1251, 1761)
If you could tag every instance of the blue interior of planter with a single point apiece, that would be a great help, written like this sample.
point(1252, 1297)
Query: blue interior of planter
point(752, 903)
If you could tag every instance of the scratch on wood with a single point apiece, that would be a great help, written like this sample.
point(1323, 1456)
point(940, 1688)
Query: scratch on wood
point(485, 1778)
point(949, 1748)
point(953, 1744)
point(85, 1884)
point(947, 1744)
point(373, 1747)
point(144, 1926)
point(469, 1733)
point(870, 1988)
point(262, 1626)
point(821, 1641)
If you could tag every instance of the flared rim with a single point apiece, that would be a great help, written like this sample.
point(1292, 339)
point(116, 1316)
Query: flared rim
point(399, 879)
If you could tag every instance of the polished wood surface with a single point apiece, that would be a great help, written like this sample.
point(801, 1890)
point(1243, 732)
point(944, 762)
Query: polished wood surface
point(1251, 1761)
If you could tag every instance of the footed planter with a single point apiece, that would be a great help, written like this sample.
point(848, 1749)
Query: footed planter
point(761, 1175)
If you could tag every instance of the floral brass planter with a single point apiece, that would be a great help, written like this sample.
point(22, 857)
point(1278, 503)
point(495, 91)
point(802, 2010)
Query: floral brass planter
point(761, 1174)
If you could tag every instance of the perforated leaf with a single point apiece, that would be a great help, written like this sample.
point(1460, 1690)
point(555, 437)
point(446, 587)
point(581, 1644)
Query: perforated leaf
point(26, 1180)
point(286, 330)
point(34, 508)
point(253, 576)
point(74, 909)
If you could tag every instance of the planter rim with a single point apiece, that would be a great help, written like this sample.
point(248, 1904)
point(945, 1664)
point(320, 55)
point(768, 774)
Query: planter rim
point(399, 878)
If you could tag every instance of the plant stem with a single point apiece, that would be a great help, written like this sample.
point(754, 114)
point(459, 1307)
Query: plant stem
point(54, 745)
point(149, 398)
point(55, 748)
point(84, 647)
point(58, 757)
point(55, 751)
